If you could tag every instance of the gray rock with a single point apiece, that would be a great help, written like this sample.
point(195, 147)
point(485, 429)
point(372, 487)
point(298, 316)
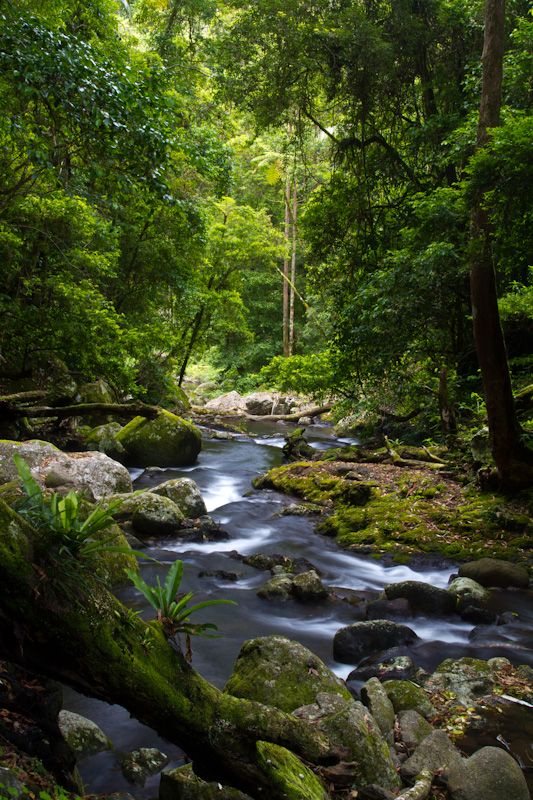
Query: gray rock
point(308, 587)
point(468, 593)
point(186, 494)
point(12, 786)
point(396, 668)
point(139, 764)
point(480, 446)
point(93, 473)
point(413, 728)
point(354, 642)
point(489, 774)
point(261, 403)
point(277, 588)
point(467, 678)
point(405, 696)
point(276, 671)
point(231, 402)
point(422, 597)
point(400, 608)
point(349, 724)
point(495, 572)
point(436, 752)
point(375, 698)
point(157, 516)
point(82, 735)
point(103, 438)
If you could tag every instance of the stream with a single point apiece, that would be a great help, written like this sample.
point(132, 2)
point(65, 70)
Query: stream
point(224, 472)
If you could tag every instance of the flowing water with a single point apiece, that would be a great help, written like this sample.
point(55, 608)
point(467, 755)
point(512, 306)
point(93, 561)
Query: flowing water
point(224, 472)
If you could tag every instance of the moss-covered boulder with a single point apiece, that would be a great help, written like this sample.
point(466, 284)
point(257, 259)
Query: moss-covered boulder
point(348, 723)
point(139, 764)
point(279, 587)
point(288, 774)
point(436, 753)
point(104, 439)
point(279, 672)
point(109, 565)
point(83, 735)
point(404, 695)
point(413, 728)
point(182, 784)
point(166, 441)
point(186, 494)
point(376, 699)
point(150, 514)
point(96, 392)
point(468, 593)
point(495, 572)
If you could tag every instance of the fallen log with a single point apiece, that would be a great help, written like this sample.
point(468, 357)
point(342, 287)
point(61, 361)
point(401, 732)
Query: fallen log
point(90, 643)
point(10, 412)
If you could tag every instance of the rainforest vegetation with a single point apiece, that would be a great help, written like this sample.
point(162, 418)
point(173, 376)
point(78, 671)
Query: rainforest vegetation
point(293, 193)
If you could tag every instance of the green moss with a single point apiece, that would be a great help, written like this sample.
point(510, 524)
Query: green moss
point(314, 483)
point(288, 774)
point(164, 441)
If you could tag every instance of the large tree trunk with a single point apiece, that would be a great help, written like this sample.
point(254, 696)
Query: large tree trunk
point(94, 648)
point(513, 461)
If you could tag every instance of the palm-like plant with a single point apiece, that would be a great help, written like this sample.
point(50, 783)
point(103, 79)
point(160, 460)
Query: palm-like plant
point(174, 613)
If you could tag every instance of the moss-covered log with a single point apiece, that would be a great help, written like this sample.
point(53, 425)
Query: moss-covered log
point(10, 411)
point(96, 648)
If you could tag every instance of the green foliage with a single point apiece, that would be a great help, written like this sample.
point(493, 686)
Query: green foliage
point(309, 374)
point(68, 542)
point(175, 613)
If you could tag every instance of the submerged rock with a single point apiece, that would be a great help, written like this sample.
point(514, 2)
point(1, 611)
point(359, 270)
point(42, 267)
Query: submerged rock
point(139, 764)
point(360, 639)
point(422, 597)
point(277, 671)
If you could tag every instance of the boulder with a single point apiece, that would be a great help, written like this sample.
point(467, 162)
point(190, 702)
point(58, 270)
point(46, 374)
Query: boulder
point(467, 678)
point(480, 447)
point(489, 774)
point(150, 514)
point(308, 587)
point(360, 639)
point(94, 474)
point(166, 441)
point(400, 608)
point(495, 572)
point(404, 695)
point(104, 439)
point(182, 784)
point(261, 404)
point(97, 392)
point(468, 593)
point(279, 587)
point(436, 752)
point(83, 735)
point(186, 494)
point(276, 671)
point(422, 597)
point(139, 764)
point(413, 728)
point(348, 723)
point(375, 698)
point(229, 403)
point(395, 668)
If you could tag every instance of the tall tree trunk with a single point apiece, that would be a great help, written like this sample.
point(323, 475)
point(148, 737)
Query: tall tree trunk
point(513, 461)
point(286, 271)
point(293, 266)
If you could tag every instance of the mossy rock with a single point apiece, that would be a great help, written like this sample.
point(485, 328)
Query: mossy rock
point(288, 774)
point(186, 494)
point(405, 696)
point(166, 441)
point(83, 735)
point(466, 678)
point(276, 671)
point(103, 438)
point(182, 784)
point(317, 483)
point(348, 724)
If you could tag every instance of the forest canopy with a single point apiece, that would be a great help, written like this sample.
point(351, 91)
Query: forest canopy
point(265, 185)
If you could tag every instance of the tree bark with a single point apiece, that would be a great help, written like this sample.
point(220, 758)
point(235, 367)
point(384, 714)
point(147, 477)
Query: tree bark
point(286, 272)
point(90, 646)
point(514, 463)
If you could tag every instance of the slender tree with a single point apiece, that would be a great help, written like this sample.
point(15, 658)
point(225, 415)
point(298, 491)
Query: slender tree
point(514, 462)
